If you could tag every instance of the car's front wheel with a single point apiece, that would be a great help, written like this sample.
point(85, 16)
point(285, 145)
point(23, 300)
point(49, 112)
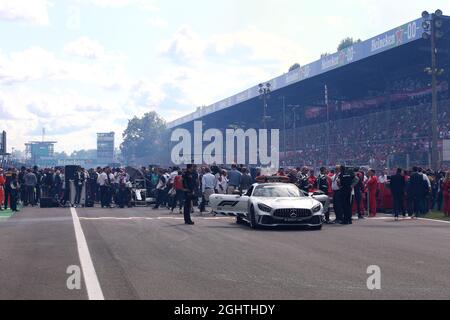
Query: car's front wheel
point(253, 223)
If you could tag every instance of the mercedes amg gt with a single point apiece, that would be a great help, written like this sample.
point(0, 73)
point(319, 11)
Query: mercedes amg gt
point(271, 205)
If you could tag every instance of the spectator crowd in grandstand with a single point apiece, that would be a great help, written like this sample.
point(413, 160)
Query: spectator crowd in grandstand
point(370, 139)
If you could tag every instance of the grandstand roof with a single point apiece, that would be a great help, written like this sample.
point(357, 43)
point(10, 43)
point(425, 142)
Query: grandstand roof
point(395, 38)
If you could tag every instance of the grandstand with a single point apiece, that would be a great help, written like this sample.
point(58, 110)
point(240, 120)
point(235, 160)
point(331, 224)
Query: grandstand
point(375, 110)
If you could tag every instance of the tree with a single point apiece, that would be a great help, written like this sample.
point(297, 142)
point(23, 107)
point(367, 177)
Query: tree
point(145, 140)
point(346, 43)
point(294, 67)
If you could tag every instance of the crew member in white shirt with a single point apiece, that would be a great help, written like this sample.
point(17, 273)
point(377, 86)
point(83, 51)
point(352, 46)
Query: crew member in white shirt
point(222, 183)
point(102, 181)
point(208, 183)
point(383, 179)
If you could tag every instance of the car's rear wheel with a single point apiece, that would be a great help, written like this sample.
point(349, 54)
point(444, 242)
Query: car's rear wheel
point(253, 223)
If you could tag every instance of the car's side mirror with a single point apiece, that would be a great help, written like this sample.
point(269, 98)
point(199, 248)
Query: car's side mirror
point(237, 193)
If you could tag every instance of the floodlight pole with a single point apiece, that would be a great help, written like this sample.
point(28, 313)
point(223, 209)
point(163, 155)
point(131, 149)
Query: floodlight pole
point(328, 125)
point(264, 94)
point(431, 31)
point(284, 127)
point(294, 110)
point(434, 105)
point(265, 111)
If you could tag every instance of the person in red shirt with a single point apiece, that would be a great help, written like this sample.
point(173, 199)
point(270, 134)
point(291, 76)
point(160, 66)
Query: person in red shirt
point(446, 194)
point(280, 173)
point(312, 181)
point(372, 187)
point(179, 193)
point(2, 187)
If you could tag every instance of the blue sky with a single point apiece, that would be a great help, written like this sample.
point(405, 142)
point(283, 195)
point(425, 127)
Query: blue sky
point(77, 67)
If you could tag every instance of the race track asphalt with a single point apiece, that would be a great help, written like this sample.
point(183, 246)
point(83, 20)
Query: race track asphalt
point(141, 253)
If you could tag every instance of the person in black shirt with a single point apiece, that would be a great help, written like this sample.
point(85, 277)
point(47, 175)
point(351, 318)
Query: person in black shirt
point(38, 184)
point(189, 186)
point(302, 180)
point(8, 191)
point(417, 188)
point(323, 184)
point(57, 185)
point(15, 192)
point(346, 180)
point(440, 191)
point(21, 181)
point(196, 177)
point(48, 183)
point(398, 186)
point(359, 190)
point(80, 179)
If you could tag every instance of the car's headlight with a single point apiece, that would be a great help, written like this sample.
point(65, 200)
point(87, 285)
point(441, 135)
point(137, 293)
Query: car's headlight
point(317, 208)
point(264, 208)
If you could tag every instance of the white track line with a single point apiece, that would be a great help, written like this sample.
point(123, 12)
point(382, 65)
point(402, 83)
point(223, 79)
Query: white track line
point(408, 219)
point(145, 218)
point(440, 221)
point(92, 284)
point(116, 218)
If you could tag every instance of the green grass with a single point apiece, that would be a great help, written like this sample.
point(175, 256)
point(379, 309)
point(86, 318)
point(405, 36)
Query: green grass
point(436, 215)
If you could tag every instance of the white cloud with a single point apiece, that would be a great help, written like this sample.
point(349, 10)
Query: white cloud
point(68, 117)
point(185, 46)
point(148, 5)
point(85, 47)
point(223, 63)
point(16, 68)
point(33, 12)
point(157, 23)
point(254, 45)
point(181, 89)
point(42, 90)
point(248, 46)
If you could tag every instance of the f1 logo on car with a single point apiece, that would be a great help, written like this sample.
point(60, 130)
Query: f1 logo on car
point(228, 204)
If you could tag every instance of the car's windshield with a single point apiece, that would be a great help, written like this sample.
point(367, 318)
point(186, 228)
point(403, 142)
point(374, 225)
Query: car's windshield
point(278, 191)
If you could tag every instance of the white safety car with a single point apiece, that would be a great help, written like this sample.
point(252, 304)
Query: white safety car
point(272, 205)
